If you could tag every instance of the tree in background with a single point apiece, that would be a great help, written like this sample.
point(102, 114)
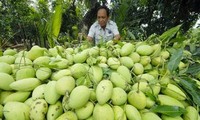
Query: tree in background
point(142, 18)
point(16, 23)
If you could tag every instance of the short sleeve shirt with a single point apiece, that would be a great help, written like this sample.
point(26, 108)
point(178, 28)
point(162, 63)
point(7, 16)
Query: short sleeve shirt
point(101, 35)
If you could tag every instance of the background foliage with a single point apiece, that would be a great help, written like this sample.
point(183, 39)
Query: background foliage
point(24, 22)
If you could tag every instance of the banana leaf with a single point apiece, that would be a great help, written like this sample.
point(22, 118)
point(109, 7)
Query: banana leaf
point(56, 21)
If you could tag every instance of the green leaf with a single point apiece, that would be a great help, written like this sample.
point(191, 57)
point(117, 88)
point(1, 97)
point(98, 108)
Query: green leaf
point(84, 81)
point(59, 52)
point(175, 60)
point(193, 69)
point(57, 19)
point(106, 72)
point(168, 110)
point(151, 95)
point(197, 52)
point(144, 2)
point(191, 87)
point(179, 40)
point(195, 33)
point(132, 37)
point(169, 34)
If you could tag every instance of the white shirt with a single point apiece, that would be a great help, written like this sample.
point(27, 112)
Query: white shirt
point(102, 35)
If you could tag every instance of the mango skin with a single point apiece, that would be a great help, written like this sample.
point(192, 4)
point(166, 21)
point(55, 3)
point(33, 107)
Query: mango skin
point(119, 113)
point(35, 52)
point(125, 72)
point(69, 115)
point(78, 70)
point(96, 73)
point(17, 111)
point(132, 113)
point(137, 99)
point(43, 73)
point(54, 111)
point(126, 61)
point(174, 91)
point(7, 59)
point(191, 113)
point(145, 87)
point(29, 101)
point(17, 96)
point(60, 73)
point(65, 84)
point(167, 100)
point(113, 62)
point(26, 84)
point(104, 91)
point(127, 49)
point(150, 116)
point(138, 68)
point(38, 110)
point(118, 80)
point(38, 92)
point(135, 57)
point(103, 112)
point(80, 57)
point(5, 81)
point(85, 112)
point(164, 117)
point(5, 68)
point(144, 50)
point(79, 93)
point(3, 95)
point(27, 72)
point(10, 51)
point(50, 94)
point(119, 96)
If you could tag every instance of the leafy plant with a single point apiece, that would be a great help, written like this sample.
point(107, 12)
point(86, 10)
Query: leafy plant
point(168, 110)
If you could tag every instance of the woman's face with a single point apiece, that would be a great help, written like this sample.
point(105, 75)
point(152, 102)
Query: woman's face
point(102, 17)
